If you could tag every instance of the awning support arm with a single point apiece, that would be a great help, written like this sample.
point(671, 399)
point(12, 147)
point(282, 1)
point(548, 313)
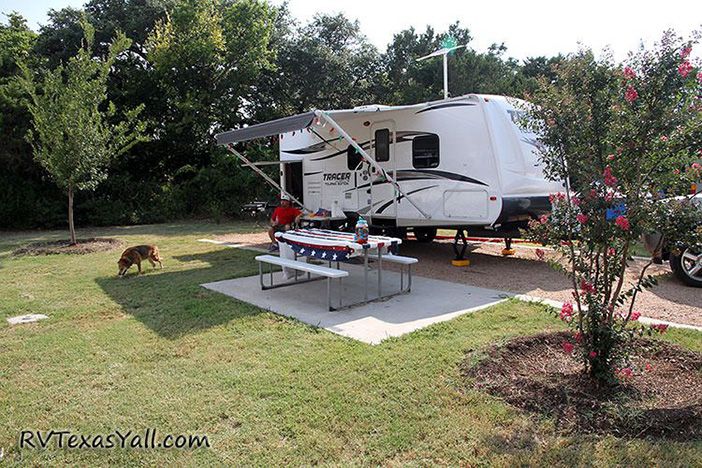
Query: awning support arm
point(367, 157)
point(265, 176)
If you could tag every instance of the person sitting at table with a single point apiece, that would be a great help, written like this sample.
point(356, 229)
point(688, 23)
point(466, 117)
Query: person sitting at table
point(282, 219)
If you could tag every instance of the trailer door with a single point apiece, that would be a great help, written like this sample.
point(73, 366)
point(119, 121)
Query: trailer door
point(348, 180)
point(383, 195)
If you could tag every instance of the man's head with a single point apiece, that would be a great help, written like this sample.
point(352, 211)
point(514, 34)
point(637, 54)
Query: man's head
point(285, 201)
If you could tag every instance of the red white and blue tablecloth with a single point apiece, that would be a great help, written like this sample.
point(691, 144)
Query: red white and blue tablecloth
point(333, 246)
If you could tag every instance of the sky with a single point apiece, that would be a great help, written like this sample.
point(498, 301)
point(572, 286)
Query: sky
point(527, 28)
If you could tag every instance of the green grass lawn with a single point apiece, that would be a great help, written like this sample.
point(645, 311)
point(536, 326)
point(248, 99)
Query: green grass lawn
point(158, 351)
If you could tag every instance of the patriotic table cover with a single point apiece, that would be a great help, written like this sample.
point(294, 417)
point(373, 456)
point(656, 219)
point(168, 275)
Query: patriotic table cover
point(333, 246)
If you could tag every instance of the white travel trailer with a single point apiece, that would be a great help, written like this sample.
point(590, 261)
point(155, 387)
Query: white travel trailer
point(463, 162)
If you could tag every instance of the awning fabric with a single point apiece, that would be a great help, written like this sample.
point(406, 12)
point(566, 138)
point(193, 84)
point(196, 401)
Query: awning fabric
point(266, 129)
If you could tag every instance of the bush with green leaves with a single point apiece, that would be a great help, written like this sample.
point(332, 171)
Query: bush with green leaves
point(627, 140)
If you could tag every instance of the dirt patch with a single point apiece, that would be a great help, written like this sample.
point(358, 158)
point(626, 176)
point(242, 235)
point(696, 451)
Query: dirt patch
point(661, 398)
point(257, 240)
point(83, 246)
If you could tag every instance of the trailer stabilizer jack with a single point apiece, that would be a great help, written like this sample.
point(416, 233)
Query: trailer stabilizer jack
point(508, 250)
point(460, 260)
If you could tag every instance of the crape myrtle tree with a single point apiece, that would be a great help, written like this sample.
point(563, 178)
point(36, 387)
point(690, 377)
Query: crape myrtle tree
point(75, 131)
point(628, 139)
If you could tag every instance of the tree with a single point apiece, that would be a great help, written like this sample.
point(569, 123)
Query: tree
point(409, 81)
point(327, 63)
point(16, 42)
point(206, 56)
point(627, 140)
point(75, 131)
point(60, 39)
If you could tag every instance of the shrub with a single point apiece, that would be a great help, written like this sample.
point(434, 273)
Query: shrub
point(625, 140)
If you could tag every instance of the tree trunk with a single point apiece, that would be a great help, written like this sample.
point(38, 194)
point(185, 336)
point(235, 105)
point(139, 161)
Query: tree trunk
point(71, 227)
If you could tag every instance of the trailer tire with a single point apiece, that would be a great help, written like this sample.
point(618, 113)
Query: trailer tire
point(425, 234)
point(682, 264)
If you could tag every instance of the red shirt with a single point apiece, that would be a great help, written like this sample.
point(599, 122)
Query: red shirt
point(283, 216)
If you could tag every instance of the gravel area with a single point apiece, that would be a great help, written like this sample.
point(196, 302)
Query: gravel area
point(523, 273)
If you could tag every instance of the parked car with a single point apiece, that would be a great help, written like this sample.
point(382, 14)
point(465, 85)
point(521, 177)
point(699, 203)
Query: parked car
point(686, 262)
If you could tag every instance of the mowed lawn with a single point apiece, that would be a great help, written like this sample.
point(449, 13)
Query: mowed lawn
point(158, 351)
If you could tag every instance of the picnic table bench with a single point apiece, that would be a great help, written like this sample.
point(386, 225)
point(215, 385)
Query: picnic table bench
point(309, 268)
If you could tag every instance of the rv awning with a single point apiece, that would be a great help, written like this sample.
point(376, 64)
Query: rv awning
point(266, 129)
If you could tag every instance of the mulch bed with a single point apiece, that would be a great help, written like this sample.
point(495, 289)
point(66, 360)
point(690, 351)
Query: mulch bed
point(83, 246)
point(534, 374)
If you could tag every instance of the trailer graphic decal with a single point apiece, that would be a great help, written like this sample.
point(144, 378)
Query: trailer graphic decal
point(424, 174)
point(444, 106)
point(337, 178)
point(324, 145)
point(400, 197)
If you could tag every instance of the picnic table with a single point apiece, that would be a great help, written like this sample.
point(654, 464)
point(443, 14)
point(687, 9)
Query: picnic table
point(335, 247)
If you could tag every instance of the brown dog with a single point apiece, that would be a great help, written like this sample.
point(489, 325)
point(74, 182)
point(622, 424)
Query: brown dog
point(135, 255)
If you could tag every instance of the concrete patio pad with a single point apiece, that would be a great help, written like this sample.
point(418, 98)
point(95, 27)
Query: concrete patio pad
point(431, 301)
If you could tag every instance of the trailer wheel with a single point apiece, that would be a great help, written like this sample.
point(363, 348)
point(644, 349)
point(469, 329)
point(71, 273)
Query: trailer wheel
point(687, 267)
point(424, 234)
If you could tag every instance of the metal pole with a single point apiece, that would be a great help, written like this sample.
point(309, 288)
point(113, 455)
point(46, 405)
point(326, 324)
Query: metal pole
point(365, 272)
point(367, 157)
point(380, 271)
point(265, 176)
point(446, 93)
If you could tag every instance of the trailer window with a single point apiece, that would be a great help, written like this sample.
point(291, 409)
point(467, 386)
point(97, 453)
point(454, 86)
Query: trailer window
point(382, 145)
point(353, 158)
point(425, 151)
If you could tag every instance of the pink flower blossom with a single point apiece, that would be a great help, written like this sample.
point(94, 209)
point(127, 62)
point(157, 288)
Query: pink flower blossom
point(609, 196)
point(626, 372)
point(664, 138)
point(587, 287)
point(635, 316)
point(566, 311)
point(610, 157)
point(699, 77)
point(659, 327)
point(611, 252)
point(623, 223)
point(629, 73)
point(560, 196)
point(609, 179)
point(578, 337)
point(696, 166)
point(630, 95)
point(593, 193)
point(593, 354)
point(684, 68)
point(676, 171)
point(567, 347)
point(582, 218)
point(540, 254)
point(685, 52)
point(543, 219)
point(649, 367)
point(575, 201)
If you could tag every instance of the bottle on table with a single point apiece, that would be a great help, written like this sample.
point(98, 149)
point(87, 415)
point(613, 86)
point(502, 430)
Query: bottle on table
point(361, 232)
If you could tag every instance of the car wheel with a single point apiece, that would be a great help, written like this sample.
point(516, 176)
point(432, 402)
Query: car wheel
point(424, 234)
point(687, 266)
